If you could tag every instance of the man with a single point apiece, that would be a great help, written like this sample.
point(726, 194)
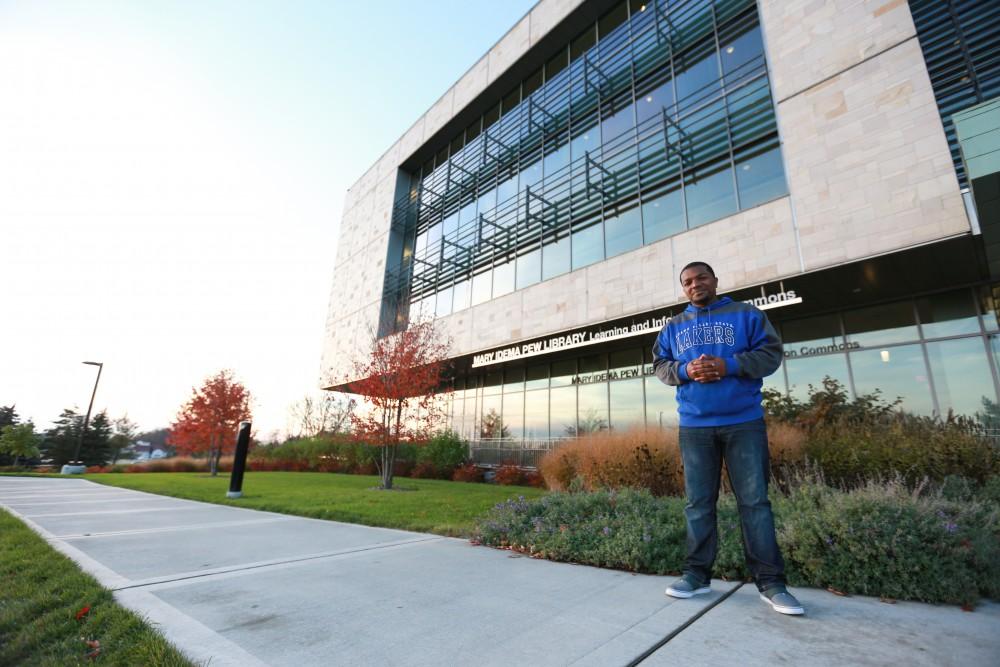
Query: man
point(716, 353)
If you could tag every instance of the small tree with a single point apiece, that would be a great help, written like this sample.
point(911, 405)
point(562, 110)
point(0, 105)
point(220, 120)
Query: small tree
point(399, 379)
point(19, 440)
point(124, 435)
point(207, 423)
point(61, 440)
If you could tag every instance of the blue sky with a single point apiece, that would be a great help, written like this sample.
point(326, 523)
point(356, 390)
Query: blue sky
point(171, 181)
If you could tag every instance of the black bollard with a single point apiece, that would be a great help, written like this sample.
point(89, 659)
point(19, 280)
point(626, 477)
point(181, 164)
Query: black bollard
point(239, 461)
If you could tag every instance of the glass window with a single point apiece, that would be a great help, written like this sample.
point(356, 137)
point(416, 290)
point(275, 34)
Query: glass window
point(760, 177)
point(563, 372)
point(588, 246)
point(513, 379)
point(584, 142)
point(625, 364)
point(592, 413)
point(699, 81)
point(948, 314)
point(709, 195)
point(896, 372)
point(488, 201)
point(510, 100)
point(555, 258)
point(663, 216)
point(492, 383)
point(810, 370)
point(462, 295)
point(810, 333)
point(987, 305)
point(482, 285)
point(529, 269)
point(626, 404)
point(593, 363)
point(962, 377)
point(533, 82)
point(443, 305)
point(556, 64)
point(468, 213)
point(623, 232)
point(506, 190)
point(661, 406)
point(531, 174)
point(503, 279)
point(562, 411)
point(582, 42)
point(513, 414)
point(555, 161)
point(742, 56)
point(881, 325)
point(490, 420)
point(654, 102)
point(537, 376)
point(536, 414)
point(616, 124)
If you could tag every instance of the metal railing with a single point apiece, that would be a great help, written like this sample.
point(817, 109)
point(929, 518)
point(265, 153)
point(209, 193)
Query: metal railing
point(526, 453)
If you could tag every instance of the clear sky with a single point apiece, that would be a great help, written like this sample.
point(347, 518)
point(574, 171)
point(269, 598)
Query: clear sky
point(171, 183)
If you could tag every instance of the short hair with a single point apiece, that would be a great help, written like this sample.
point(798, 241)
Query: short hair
point(691, 264)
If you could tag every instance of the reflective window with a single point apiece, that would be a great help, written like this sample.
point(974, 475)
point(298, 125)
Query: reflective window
point(563, 372)
point(661, 405)
point(555, 161)
point(529, 269)
point(536, 414)
point(531, 175)
point(462, 295)
point(482, 285)
point(625, 364)
point(615, 125)
point(760, 177)
point(741, 56)
point(663, 216)
point(626, 403)
point(555, 258)
point(805, 371)
point(513, 379)
point(698, 81)
point(592, 410)
point(962, 377)
point(493, 383)
point(513, 414)
point(948, 314)
point(503, 279)
point(443, 305)
point(585, 142)
point(537, 376)
point(623, 232)
point(709, 196)
point(897, 372)
point(987, 305)
point(506, 190)
point(654, 102)
point(562, 411)
point(588, 246)
point(881, 325)
point(490, 419)
point(804, 335)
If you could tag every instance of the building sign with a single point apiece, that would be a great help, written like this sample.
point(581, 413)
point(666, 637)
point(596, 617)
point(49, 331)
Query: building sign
point(806, 351)
point(614, 331)
point(614, 374)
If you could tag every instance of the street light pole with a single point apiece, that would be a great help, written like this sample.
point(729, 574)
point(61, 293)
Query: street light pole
point(86, 420)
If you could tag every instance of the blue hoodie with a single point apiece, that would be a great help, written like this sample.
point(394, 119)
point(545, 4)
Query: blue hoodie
point(738, 333)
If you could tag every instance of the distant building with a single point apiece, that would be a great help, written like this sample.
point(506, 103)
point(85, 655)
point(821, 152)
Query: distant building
point(542, 208)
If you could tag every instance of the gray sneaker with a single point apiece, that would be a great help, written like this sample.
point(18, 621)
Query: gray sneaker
point(687, 587)
point(782, 601)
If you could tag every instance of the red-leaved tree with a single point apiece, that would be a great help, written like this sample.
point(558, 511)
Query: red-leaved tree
point(208, 421)
point(399, 377)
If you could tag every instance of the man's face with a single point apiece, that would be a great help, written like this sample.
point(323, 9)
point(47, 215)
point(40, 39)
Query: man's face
point(699, 285)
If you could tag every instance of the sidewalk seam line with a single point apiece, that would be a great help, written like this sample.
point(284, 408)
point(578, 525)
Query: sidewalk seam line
point(676, 631)
point(273, 564)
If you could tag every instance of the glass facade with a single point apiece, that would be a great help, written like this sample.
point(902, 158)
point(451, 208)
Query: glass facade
point(938, 354)
point(655, 119)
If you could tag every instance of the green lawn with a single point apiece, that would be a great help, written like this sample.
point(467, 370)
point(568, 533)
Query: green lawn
point(42, 593)
point(426, 505)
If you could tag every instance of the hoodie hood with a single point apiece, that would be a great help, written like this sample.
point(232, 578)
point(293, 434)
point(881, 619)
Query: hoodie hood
point(718, 303)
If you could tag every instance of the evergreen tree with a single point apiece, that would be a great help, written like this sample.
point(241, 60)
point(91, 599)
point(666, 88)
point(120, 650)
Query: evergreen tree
point(8, 417)
point(61, 440)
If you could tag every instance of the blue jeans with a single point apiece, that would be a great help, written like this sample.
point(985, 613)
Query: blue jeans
point(744, 449)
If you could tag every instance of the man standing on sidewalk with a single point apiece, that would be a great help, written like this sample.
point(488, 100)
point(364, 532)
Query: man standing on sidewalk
point(716, 353)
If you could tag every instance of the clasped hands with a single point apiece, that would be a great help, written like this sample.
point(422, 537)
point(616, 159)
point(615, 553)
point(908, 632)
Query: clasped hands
point(706, 368)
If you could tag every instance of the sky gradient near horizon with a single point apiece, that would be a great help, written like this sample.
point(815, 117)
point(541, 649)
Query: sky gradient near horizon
point(171, 183)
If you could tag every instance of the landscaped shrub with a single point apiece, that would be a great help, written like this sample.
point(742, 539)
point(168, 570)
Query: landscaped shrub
point(867, 438)
point(444, 452)
point(636, 458)
point(881, 540)
point(509, 475)
point(425, 470)
point(467, 473)
point(174, 464)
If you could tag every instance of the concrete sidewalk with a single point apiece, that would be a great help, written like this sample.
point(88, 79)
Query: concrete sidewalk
point(241, 587)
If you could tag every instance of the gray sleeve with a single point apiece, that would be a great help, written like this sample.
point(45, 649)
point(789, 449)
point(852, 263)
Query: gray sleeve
point(665, 366)
point(765, 353)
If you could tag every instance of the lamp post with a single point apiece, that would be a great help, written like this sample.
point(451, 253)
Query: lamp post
point(76, 466)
